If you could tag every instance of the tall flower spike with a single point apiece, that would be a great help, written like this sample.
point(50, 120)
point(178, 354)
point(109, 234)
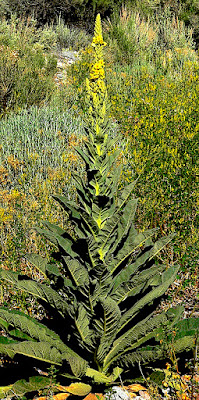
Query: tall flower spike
point(96, 88)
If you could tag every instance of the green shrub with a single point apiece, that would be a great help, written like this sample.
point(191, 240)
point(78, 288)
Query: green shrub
point(159, 115)
point(59, 36)
point(36, 158)
point(4, 8)
point(75, 11)
point(136, 40)
point(26, 73)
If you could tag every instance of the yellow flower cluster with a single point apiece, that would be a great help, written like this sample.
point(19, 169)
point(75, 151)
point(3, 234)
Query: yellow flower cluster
point(159, 115)
point(95, 85)
point(98, 40)
point(97, 72)
point(177, 383)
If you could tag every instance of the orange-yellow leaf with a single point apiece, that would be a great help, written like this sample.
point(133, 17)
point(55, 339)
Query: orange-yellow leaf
point(61, 396)
point(94, 396)
point(135, 387)
point(41, 398)
point(132, 395)
point(78, 388)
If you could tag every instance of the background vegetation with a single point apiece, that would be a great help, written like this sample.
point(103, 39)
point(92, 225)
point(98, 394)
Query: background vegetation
point(84, 11)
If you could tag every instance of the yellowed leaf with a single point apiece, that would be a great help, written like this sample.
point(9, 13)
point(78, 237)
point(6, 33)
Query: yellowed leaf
point(61, 396)
point(78, 388)
point(94, 396)
point(132, 395)
point(135, 387)
point(41, 398)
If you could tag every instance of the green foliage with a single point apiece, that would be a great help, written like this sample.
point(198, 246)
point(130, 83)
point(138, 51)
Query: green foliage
point(21, 387)
point(4, 8)
point(163, 142)
point(37, 157)
point(104, 298)
point(47, 11)
point(25, 71)
point(135, 39)
point(186, 10)
point(60, 36)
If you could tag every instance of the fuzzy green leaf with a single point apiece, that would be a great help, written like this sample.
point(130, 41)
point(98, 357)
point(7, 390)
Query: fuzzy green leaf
point(99, 377)
point(108, 325)
point(126, 274)
point(78, 272)
point(39, 290)
point(38, 261)
point(82, 323)
point(28, 325)
point(21, 387)
point(133, 242)
point(167, 278)
point(42, 351)
point(135, 337)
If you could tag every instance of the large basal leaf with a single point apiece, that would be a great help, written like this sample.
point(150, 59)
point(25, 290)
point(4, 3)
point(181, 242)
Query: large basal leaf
point(126, 274)
point(183, 340)
point(131, 339)
point(38, 261)
point(144, 355)
point(78, 272)
point(97, 376)
point(21, 387)
point(78, 365)
point(42, 351)
point(77, 388)
point(6, 340)
point(82, 323)
point(107, 326)
point(39, 290)
point(30, 326)
point(168, 277)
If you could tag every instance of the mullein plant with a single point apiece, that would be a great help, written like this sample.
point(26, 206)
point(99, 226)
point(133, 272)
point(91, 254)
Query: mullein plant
point(103, 300)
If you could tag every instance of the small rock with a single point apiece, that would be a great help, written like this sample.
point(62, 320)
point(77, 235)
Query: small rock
point(60, 64)
point(73, 55)
point(144, 395)
point(117, 393)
